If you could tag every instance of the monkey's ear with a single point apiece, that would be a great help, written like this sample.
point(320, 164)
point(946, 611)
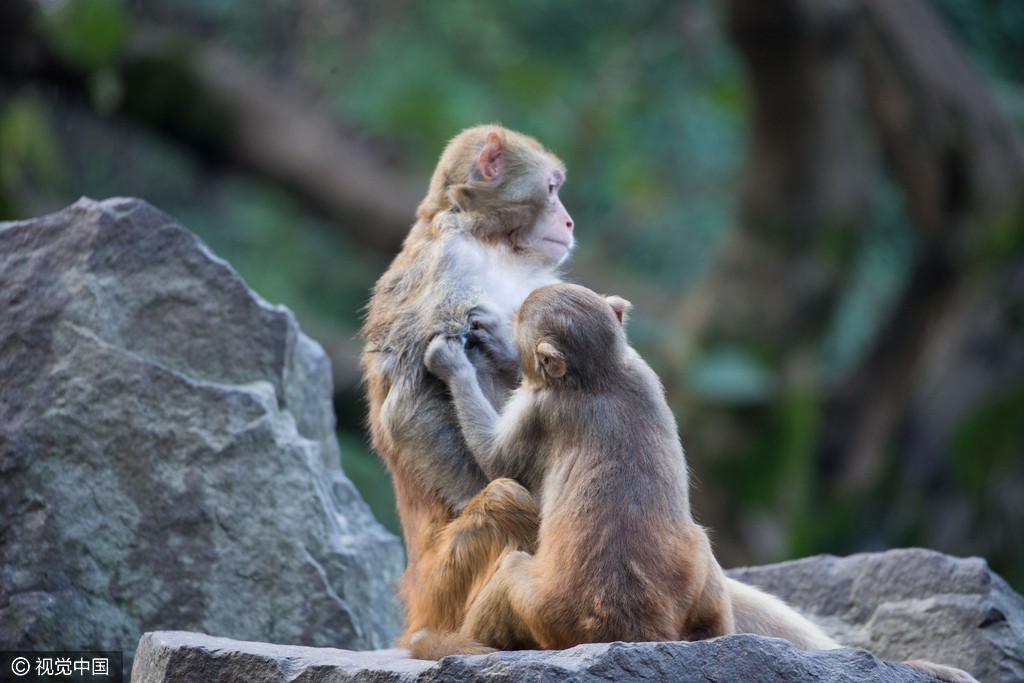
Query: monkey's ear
point(550, 359)
point(491, 162)
point(620, 306)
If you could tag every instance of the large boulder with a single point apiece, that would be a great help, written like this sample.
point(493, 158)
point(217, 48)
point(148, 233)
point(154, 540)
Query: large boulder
point(169, 657)
point(910, 603)
point(167, 450)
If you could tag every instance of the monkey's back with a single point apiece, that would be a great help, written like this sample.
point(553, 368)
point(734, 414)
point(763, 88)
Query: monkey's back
point(616, 523)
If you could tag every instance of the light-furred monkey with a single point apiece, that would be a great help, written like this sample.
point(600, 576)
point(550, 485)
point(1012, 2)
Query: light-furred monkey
point(491, 229)
point(619, 556)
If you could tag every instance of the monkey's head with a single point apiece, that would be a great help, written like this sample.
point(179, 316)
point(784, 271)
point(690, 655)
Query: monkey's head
point(505, 185)
point(569, 335)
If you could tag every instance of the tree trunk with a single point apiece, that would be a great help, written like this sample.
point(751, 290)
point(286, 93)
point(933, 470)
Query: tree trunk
point(961, 167)
point(823, 76)
point(771, 293)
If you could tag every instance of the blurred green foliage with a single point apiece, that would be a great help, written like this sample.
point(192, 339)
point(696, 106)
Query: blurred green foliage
point(880, 270)
point(993, 31)
point(989, 442)
point(647, 104)
point(733, 375)
point(89, 34)
point(31, 154)
point(667, 113)
point(986, 465)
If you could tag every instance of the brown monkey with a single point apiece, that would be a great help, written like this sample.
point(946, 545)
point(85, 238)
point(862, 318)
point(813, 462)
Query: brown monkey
point(490, 230)
point(619, 556)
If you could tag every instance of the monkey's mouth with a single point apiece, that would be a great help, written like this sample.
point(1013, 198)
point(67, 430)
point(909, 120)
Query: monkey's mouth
point(559, 242)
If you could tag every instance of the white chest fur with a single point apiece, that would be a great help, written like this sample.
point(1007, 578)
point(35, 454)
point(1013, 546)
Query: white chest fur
point(506, 279)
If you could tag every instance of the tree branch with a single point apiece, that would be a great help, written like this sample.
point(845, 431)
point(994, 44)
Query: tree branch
point(955, 154)
point(806, 177)
point(210, 100)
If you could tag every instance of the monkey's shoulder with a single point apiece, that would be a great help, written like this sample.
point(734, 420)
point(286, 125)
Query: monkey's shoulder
point(421, 282)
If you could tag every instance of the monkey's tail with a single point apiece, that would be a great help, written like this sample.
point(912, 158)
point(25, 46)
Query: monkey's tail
point(949, 674)
point(757, 612)
point(430, 643)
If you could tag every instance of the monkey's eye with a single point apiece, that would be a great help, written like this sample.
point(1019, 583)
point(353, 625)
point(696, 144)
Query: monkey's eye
point(551, 188)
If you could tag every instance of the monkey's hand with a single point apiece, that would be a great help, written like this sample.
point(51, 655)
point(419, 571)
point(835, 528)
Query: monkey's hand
point(445, 357)
point(488, 332)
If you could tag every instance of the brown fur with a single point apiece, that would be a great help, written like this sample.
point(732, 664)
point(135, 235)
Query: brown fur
point(473, 254)
point(619, 556)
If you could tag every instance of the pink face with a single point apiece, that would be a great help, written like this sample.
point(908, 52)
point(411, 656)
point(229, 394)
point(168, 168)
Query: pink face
point(551, 235)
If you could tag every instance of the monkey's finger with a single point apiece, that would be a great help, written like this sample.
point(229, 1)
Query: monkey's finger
point(477, 337)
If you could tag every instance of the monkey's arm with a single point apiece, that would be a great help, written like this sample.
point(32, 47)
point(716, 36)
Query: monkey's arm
point(446, 359)
point(491, 335)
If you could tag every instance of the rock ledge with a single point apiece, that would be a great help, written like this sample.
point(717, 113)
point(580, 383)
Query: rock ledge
point(178, 657)
point(900, 604)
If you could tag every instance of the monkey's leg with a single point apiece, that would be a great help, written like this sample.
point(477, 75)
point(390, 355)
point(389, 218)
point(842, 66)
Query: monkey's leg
point(504, 613)
point(461, 554)
point(711, 614)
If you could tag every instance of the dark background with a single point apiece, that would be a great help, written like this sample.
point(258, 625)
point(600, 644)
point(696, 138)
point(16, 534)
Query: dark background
point(815, 207)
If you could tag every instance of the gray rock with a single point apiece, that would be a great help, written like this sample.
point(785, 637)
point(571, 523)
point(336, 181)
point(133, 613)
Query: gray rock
point(911, 603)
point(900, 604)
point(167, 450)
point(174, 657)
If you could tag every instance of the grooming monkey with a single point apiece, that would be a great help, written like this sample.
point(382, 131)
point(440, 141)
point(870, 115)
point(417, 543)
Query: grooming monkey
point(619, 556)
point(490, 230)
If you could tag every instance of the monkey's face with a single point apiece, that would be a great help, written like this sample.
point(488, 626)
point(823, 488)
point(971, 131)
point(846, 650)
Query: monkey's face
point(550, 237)
point(507, 185)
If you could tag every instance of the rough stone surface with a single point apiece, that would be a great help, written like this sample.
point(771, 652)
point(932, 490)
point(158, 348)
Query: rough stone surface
point(167, 450)
point(900, 604)
point(910, 603)
point(175, 657)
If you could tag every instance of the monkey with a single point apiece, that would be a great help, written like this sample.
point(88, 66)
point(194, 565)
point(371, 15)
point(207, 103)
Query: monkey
point(590, 432)
point(491, 229)
point(618, 556)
